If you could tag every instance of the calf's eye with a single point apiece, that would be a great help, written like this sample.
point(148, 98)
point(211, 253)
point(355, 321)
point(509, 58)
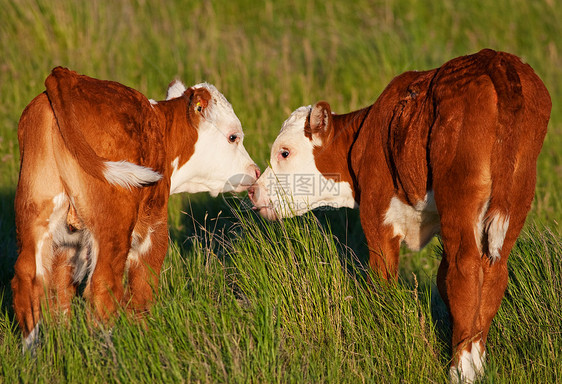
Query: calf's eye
point(232, 138)
point(284, 153)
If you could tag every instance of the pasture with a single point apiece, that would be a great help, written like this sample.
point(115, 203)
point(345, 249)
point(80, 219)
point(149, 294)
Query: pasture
point(244, 300)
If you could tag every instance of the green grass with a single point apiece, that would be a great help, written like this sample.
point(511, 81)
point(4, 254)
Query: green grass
point(243, 300)
point(289, 303)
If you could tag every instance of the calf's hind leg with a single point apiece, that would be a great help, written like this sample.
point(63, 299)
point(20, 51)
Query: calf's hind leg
point(63, 287)
point(460, 279)
point(104, 290)
point(144, 265)
point(496, 273)
point(29, 284)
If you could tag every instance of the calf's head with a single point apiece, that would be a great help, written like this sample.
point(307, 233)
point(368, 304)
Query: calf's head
point(219, 162)
point(303, 174)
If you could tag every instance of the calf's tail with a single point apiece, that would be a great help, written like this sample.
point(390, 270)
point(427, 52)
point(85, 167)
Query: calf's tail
point(60, 85)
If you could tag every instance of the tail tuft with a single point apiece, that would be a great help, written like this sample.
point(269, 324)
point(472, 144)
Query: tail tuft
point(496, 228)
point(129, 175)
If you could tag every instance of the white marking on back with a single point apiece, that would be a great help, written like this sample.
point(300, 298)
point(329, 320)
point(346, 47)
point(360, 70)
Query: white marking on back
point(415, 225)
point(127, 175)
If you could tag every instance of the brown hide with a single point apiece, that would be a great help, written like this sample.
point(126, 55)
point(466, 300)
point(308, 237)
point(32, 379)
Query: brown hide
point(65, 206)
point(469, 132)
point(104, 119)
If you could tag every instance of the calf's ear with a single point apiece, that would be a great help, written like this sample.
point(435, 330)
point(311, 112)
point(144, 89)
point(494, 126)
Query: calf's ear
point(318, 125)
point(198, 105)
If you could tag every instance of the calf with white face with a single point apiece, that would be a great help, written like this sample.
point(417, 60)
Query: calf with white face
point(451, 151)
point(293, 184)
point(220, 162)
point(98, 163)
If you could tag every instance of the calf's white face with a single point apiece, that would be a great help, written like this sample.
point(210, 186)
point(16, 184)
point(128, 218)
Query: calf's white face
point(220, 162)
point(292, 184)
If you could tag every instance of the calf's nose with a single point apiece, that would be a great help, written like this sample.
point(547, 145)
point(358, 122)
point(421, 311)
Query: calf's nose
point(252, 192)
point(257, 171)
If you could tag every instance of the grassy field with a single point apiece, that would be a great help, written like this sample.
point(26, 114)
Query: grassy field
point(243, 300)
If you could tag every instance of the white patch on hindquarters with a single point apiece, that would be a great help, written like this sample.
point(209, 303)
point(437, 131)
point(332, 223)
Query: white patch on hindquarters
point(470, 366)
point(415, 225)
point(496, 227)
point(490, 232)
point(59, 200)
point(59, 235)
point(479, 227)
point(85, 258)
point(139, 246)
point(41, 257)
point(44, 257)
point(82, 242)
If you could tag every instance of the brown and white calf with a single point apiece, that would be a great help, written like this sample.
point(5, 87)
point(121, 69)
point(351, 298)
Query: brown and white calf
point(450, 151)
point(98, 162)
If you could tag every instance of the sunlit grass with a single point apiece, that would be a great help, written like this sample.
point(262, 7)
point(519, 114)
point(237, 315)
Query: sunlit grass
point(286, 302)
point(243, 300)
